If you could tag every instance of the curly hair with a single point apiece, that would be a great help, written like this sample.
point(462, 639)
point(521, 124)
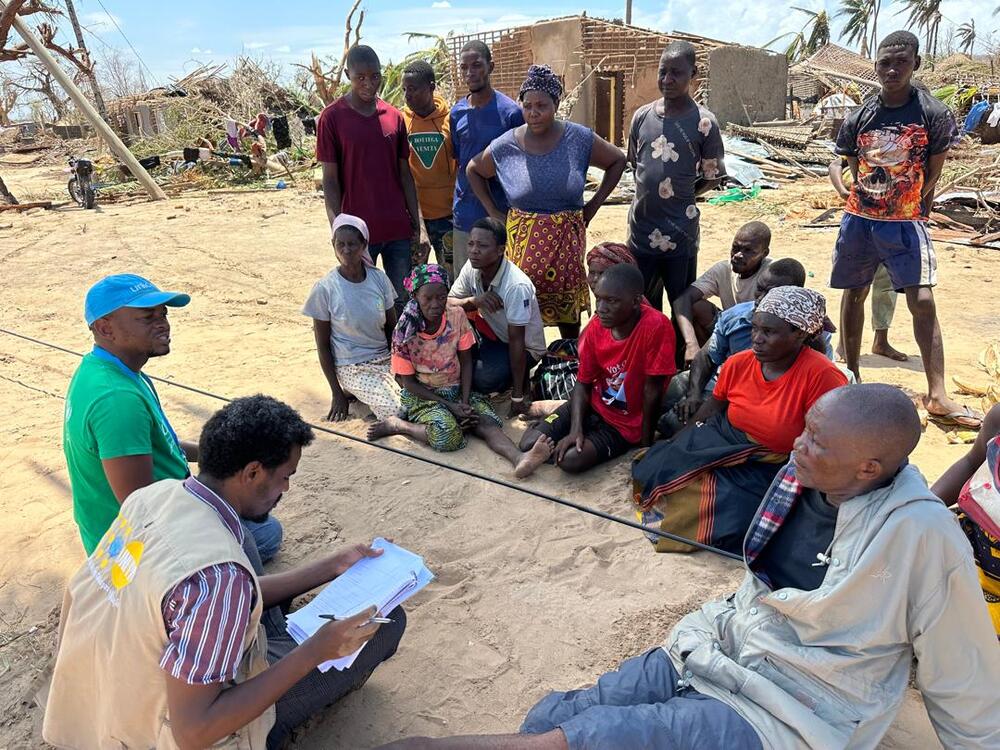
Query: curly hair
point(901, 39)
point(361, 55)
point(253, 428)
point(494, 227)
point(680, 48)
point(422, 71)
point(479, 48)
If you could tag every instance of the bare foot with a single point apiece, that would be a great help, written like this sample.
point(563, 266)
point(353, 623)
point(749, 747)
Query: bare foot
point(885, 350)
point(532, 459)
point(839, 353)
point(948, 412)
point(882, 347)
point(540, 409)
point(385, 427)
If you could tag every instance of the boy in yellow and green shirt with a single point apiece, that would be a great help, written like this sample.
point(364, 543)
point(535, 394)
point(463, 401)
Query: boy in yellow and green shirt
point(432, 159)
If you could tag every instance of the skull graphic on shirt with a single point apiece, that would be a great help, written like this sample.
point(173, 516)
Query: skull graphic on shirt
point(891, 171)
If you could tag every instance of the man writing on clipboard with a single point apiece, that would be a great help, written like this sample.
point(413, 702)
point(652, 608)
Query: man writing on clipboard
point(170, 635)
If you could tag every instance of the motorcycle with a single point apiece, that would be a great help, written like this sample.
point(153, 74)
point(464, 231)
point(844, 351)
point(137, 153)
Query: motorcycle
point(81, 184)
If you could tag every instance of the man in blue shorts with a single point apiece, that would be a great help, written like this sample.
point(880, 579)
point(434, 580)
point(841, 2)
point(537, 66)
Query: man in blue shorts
point(896, 144)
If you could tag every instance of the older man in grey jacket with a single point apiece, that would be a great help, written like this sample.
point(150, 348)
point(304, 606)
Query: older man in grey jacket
point(855, 572)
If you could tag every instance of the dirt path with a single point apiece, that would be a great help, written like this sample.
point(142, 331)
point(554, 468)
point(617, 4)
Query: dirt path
point(529, 597)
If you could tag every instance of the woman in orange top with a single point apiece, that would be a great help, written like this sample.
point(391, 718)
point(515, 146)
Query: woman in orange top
point(707, 482)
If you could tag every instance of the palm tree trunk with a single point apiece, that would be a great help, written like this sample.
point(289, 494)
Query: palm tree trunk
point(875, 8)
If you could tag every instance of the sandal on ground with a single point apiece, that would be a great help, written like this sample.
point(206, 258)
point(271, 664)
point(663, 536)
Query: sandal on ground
point(964, 418)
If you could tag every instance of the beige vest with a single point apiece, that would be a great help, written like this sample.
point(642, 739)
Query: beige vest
point(107, 688)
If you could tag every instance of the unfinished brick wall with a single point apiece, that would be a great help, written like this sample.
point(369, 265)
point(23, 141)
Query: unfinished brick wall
point(634, 51)
point(512, 56)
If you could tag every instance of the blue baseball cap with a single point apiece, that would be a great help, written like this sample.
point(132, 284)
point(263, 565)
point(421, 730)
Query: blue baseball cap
point(126, 290)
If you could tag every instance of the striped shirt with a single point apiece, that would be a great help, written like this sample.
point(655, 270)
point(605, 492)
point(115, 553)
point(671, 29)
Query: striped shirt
point(206, 615)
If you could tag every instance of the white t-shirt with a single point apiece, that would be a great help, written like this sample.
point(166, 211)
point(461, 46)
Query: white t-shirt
point(520, 303)
point(720, 281)
point(356, 312)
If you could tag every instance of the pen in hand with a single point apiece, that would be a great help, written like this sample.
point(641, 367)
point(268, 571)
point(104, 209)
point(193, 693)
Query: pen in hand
point(379, 620)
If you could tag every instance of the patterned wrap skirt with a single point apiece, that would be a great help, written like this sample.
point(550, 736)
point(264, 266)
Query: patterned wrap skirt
point(706, 484)
point(549, 248)
point(444, 433)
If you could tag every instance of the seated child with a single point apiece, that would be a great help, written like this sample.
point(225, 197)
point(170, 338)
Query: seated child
point(626, 356)
point(432, 361)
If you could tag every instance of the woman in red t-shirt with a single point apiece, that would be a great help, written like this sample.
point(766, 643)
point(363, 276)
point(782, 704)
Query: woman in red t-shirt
point(707, 482)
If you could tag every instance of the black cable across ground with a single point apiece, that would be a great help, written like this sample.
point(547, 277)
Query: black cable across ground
point(435, 462)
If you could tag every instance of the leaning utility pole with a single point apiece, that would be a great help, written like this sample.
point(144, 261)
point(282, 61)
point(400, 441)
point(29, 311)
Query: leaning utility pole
point(91, 76)
point(103, 129)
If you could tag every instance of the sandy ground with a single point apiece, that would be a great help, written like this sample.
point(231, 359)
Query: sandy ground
point(529, 597)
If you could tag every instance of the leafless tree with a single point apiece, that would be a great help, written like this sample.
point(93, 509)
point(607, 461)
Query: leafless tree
point(9, 96)
point(120, 74)
point(37, 79)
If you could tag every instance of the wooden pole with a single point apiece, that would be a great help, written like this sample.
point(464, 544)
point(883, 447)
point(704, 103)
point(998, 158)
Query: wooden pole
point(102, 110)
point(102, 128)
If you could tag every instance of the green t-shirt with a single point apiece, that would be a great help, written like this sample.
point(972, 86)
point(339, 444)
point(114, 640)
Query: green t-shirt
point(110, 413)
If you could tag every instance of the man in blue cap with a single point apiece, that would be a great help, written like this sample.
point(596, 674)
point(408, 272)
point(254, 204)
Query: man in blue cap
point(115, 435)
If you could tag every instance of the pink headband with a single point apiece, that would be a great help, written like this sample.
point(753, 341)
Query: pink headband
point(346, 220)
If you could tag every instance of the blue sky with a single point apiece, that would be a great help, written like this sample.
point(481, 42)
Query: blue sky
point(174, 37)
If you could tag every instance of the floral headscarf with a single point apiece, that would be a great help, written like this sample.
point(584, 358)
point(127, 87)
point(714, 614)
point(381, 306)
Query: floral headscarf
point(801, 308)
point(411, 322)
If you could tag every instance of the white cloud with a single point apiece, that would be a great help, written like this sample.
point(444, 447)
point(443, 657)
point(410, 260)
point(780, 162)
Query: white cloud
point(200, 51)
point(284, 49)
point(100, 22)
point(256, 45)
point(441, 4)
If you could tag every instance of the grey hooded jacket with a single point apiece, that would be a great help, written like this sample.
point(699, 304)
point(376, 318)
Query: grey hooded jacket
point(828, 669)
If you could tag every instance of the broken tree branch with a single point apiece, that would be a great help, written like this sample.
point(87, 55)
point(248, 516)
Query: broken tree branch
point(339, 70)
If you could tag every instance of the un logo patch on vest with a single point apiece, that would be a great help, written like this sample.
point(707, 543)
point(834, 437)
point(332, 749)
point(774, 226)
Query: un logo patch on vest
point(426, 146)
point(116, 559)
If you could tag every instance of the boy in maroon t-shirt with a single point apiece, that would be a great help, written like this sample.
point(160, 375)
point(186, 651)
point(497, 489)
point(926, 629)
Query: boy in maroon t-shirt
point(361, 142)
point(626, 358)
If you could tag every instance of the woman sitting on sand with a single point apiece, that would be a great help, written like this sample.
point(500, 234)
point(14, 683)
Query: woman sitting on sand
point(432, 361)
point(973, 482)
point(353, 319)
point(707, 482)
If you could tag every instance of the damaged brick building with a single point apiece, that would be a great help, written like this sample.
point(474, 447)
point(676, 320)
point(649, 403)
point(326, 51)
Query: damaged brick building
point(609, 70)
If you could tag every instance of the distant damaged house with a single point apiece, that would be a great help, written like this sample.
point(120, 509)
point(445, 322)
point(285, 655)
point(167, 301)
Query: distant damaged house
point(831, 70)
point(609, 70)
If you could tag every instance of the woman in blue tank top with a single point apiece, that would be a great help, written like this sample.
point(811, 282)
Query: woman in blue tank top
point(542, 167)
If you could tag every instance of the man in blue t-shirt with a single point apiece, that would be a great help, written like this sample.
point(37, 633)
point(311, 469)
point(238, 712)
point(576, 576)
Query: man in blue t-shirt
point(475, 121)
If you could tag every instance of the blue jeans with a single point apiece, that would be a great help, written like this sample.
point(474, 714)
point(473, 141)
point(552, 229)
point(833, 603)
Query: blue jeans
point(641, 705)
point(397, 260)
point(491, 367)
point(267, 534)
